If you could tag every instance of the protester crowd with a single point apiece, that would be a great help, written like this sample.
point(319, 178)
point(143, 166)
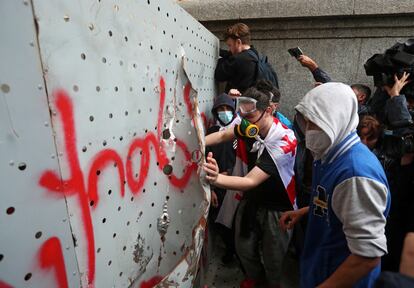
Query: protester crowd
point(334, 185)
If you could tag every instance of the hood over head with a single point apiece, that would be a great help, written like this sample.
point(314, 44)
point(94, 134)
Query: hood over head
point(333, 107)
point(223, 99)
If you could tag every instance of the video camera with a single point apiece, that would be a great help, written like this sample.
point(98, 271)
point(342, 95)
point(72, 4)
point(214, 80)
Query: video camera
point(397, 140)
point(395, 61)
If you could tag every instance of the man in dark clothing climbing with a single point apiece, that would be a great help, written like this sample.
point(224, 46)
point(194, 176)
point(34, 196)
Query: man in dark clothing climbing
point(237, 66)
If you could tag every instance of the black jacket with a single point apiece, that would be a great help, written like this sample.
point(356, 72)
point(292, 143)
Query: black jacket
point(397, 113)
point(238, 70)
point(390, 111)
point(321, 76)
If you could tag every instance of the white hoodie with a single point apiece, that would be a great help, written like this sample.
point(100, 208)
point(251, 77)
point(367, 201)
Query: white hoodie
point(334, 108)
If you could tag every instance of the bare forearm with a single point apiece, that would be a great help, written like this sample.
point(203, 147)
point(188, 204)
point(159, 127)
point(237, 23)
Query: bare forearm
point(304, 210)
point(407, 259)
point(234, 182)
point(350, 271)
point(219, 137)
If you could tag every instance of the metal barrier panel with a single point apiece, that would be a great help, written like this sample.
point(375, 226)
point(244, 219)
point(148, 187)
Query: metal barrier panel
point(99, 157)
point(35, 238)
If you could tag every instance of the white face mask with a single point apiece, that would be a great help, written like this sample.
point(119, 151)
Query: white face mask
point(317, 142)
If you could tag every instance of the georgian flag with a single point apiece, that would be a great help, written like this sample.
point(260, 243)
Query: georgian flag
point(280, 143)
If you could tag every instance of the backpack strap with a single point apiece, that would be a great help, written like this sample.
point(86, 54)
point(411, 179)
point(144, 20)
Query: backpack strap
point(257, 60)
point(254, 54)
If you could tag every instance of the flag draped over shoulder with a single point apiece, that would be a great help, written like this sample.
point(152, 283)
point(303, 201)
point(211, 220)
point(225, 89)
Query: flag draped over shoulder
point(280, 143)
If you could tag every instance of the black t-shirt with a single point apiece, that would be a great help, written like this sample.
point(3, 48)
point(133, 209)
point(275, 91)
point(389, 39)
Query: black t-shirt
point(270, 194)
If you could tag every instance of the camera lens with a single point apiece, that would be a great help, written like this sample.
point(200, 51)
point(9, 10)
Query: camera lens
point(409, 46)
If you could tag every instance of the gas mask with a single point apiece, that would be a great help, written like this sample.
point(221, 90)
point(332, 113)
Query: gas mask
point(245, 128)
point(247, 105)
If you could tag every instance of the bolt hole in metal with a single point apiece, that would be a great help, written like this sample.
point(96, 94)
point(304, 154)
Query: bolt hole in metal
point(5, 88)
point(166, 134)
point(10, 210)
point(28, 276)
point(22, 166)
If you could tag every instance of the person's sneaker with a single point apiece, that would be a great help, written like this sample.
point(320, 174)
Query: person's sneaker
point(248, 283)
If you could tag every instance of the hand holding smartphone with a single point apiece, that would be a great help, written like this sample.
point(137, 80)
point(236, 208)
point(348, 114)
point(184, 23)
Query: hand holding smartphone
point(295, 52)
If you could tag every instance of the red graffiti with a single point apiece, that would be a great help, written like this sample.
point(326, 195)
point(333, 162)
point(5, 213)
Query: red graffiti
point(101, 161)
point(5, 285)
point(51, 257)
point(75, 184)
point(205, 121)
point(151, 282)
point(187, 100)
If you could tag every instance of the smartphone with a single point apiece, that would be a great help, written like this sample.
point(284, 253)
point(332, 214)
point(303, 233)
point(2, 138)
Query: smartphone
point(295, 52)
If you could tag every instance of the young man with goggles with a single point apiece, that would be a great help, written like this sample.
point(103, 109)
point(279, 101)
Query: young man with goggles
point(268, 187)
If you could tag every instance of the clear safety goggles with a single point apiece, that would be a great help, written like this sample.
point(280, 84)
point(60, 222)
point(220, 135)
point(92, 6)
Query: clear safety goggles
point(246, 105)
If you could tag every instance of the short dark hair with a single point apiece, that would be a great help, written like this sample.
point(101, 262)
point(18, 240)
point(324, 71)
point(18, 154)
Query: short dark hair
point(267, 87)
point(263, 99)
point(363, 89)
point(238, 31)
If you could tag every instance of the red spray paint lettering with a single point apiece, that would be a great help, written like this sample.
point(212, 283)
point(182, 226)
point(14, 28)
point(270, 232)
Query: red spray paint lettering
point(86, 191)
point(5, 285)
point(151, 282)
point(51, 257)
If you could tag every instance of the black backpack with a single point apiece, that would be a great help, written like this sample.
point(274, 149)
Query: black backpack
point(264, 69)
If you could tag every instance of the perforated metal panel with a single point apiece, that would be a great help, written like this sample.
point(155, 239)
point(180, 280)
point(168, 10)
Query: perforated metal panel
point(129, 85)
point(34, 224)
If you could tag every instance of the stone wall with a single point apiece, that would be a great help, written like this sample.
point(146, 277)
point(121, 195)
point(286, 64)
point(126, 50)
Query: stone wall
point(340, 35)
